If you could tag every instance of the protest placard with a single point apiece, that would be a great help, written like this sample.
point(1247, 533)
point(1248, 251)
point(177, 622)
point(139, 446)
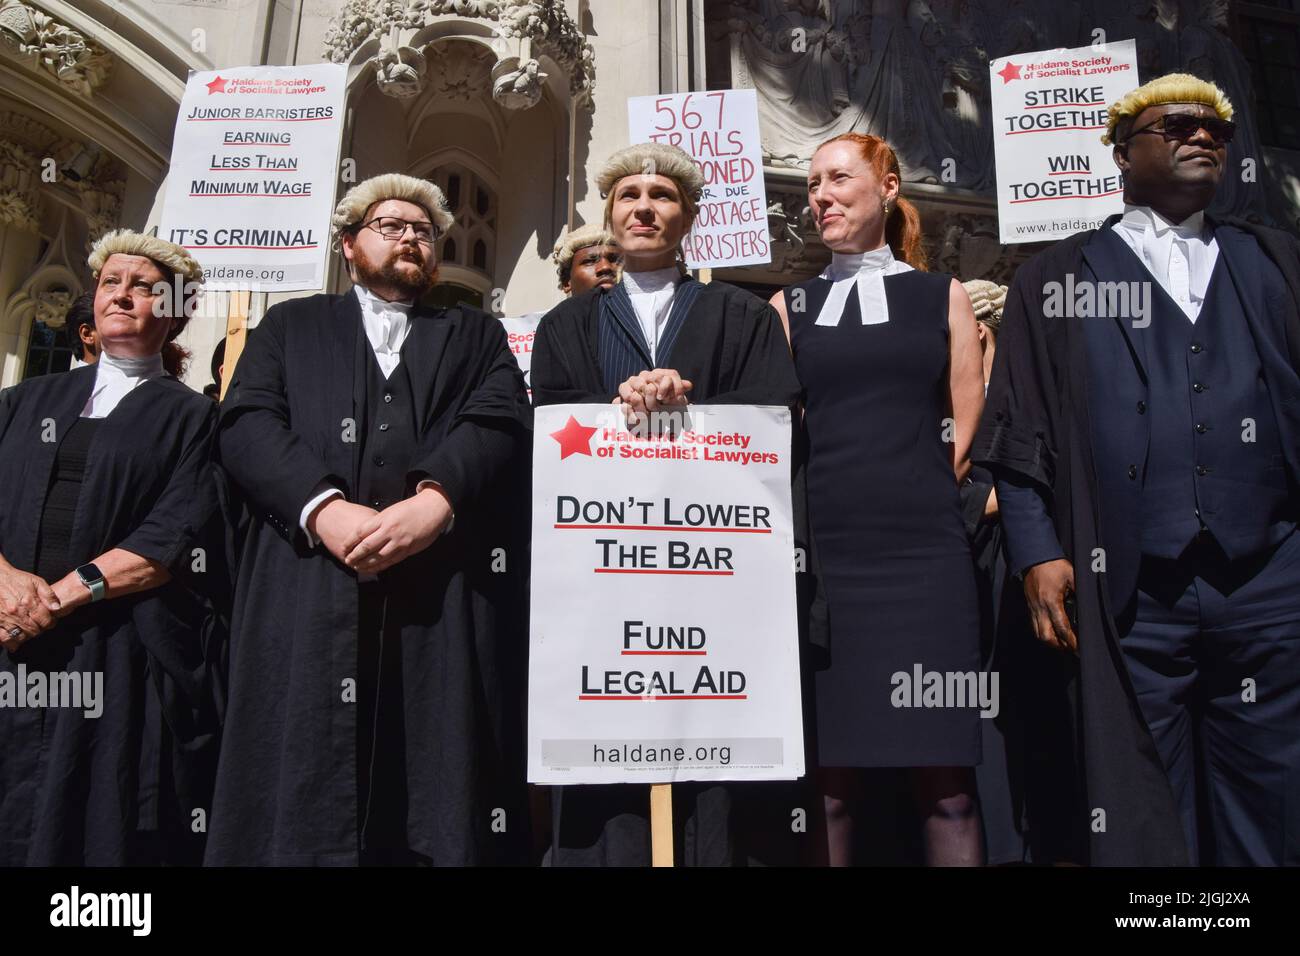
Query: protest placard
point(255, 160)
point(663, 635)
point(1055, 176)
point(719, 130)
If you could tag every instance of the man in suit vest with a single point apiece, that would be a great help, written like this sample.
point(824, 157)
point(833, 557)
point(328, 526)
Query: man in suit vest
point(374, 711)
point(1144, 426)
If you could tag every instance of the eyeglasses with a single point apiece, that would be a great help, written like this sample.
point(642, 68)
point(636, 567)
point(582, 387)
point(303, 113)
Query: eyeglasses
point(1183, 126)
point(392, 229)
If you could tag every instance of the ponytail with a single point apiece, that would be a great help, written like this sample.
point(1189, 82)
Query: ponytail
point(903, 233)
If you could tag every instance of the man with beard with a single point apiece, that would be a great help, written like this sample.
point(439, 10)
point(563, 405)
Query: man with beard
point(374, 712)
point(1147, 455)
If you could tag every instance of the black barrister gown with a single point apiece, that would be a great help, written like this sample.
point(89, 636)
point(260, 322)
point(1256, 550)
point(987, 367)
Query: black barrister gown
point(1036, 425)
point(287, 785)
point(1028, 787)
point(732, 349)
point(121, 788)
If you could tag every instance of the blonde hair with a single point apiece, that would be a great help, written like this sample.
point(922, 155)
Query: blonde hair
point(1170, 88)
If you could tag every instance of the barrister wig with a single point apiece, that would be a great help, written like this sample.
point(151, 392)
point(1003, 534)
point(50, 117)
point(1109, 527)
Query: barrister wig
point(352, 208)
point(653, 159)
point(987, 299)
point(1170, 88)
point(571, 243)
point(175, 259)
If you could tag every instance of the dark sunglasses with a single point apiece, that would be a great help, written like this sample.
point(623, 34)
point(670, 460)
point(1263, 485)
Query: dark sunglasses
point(1183, 126)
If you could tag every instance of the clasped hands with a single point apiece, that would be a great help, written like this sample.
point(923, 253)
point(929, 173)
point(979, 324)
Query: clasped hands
point(369, 541)
point(32, 605)
point(652, 391)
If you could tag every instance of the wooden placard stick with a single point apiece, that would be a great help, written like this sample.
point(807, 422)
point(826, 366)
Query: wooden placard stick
point(661, 824)
point(236, 333)
point(661, 794)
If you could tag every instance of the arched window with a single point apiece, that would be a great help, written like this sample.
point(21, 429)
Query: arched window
point(471, 241)
point(48, 350)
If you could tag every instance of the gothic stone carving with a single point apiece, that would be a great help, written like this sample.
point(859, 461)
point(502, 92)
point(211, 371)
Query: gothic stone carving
point(523, 26)
point(49, 46)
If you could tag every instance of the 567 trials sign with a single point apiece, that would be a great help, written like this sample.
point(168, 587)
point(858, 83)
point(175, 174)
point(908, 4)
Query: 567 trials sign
point(664, 638)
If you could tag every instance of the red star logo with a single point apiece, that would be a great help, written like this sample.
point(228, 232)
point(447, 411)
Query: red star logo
point(216, 86)
point(574, 439)
point(1009, 72)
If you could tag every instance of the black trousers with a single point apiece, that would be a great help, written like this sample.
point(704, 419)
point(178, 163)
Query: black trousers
point(1214, 654)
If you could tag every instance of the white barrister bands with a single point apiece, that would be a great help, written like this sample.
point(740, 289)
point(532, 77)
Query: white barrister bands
point(663, 598)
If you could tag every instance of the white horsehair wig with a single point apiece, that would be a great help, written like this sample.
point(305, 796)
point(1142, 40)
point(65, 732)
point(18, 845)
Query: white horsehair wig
point(176, 259)
point(352, 207)
point(652, 159)
point(569, 244)
point(987, 299)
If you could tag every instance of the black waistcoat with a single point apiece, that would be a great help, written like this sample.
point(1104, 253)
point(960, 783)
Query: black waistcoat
point(1216, 455)
point(388, 438)
point(1212, 455)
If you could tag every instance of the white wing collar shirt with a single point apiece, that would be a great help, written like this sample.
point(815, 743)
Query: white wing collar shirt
point(652, 299)
point(1180, 256)
point(116, 378)
point(865, 272)
point(387, 324)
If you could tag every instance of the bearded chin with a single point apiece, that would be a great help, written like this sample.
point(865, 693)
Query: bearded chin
point(389, 275)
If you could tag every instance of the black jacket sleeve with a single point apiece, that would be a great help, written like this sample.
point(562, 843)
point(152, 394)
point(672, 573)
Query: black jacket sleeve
point(489, 425)
point(273, 467)
point(185, 507)
point(765, 372)
point(557, 362)
point(1017, 432)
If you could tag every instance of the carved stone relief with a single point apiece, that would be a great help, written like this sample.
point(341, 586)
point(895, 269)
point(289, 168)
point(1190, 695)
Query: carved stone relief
point(51, 47)
point(523, 27)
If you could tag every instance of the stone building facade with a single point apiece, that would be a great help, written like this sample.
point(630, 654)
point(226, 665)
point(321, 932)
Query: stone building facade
point(510, 105)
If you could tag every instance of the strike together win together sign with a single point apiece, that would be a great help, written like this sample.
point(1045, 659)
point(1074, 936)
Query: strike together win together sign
point(663, 615)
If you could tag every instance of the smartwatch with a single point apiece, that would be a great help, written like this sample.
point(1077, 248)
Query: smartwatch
point(92, 578)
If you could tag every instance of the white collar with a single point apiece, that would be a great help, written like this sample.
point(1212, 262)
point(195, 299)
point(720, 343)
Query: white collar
point(656, 280)
point(116, 377)
point(844, 265)
point(865, 272)
point(123, 367)
point(1146, 219)
point(374, 303)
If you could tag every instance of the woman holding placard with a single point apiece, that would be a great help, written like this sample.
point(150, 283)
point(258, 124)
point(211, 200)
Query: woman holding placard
point(657, 340)
point(893, 389)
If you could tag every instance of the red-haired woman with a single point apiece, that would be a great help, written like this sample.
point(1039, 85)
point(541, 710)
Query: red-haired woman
point(890, 360)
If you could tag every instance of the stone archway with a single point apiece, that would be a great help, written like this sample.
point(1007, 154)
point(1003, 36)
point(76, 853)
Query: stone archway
point(490, 87)
point(86, 118)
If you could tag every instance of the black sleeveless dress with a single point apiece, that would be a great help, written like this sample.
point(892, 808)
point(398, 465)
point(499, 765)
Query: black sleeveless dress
point(886, 522)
